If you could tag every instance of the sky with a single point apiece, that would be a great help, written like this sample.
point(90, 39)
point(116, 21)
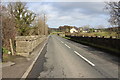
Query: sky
point(72, 13)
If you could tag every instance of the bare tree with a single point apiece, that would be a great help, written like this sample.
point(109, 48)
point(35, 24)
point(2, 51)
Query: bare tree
point(8, 27)
point(114, 10)
point(86, 28)
point(40, 26)
point(100, 27)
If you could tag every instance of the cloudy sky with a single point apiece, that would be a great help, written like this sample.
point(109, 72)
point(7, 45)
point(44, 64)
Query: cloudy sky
point(72, 13)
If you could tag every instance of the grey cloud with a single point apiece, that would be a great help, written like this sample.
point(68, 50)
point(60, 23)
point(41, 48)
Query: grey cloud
point(76, 13)
point(84, 7)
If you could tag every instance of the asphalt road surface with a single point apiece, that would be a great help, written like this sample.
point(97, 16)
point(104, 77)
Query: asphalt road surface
point(62, 58)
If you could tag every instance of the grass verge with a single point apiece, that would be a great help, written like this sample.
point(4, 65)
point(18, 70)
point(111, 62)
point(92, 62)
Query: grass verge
point(66, 37)
point(8, 57)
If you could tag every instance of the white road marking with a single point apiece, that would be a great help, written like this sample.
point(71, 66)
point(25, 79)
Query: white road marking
point(62, 42)
point(84, 58)
point(30, 67)
point(67, 45)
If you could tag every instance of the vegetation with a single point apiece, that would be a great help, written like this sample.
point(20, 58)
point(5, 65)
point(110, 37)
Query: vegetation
point(23, 17)
point(114, 10)
point(108, 49)
point(86, 30)
point(4, 50)
point(8, 28)
point(105, 34)
point(18, 20)
point(40, 27)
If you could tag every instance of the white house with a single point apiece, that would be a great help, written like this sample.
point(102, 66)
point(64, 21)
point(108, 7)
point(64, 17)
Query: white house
point(85, 31)
point(73, 30)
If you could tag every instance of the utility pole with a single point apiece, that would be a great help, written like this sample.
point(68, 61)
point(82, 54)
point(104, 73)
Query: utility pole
point(44, 23)
point(1, 36)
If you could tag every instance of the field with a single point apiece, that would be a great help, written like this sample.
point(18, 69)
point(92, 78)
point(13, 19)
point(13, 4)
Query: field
point(105, 34)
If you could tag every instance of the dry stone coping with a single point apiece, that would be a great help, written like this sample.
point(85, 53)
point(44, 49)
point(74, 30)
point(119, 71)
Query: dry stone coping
point(27, 38)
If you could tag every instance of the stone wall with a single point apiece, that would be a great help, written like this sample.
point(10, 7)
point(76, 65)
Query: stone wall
point(26, 44)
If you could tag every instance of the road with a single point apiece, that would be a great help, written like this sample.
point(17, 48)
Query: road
point(62, 58)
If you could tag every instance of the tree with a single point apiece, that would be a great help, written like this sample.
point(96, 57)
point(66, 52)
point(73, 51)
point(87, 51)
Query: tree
point(8, 27)
point(23, 17)
point(40, 26)
point(46, 29)
point(86, 28)
point(92, 30)
point(100, 27)
point(114, 10)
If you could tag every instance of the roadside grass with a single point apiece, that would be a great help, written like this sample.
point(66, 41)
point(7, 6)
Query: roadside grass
point(105, 34)
point(107, 49)
point(66, 37)
point(8, 57)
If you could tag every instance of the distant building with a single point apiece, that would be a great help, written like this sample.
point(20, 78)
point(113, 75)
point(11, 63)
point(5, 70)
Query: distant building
point(83, 29)
point(80, 29)
point(73, 30)
point(66, 28)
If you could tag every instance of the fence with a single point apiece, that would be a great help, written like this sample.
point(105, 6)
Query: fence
point(107, 43)
point(26, 44)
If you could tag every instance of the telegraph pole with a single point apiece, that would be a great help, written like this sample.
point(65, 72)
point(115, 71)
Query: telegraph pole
point(44, 23)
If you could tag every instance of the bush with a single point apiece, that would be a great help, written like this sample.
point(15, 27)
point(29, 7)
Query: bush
point(5, 51)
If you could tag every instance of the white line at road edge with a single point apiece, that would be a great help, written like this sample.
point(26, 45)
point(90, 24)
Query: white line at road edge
point(67, 45)
point(30, 67)
point(84, 58)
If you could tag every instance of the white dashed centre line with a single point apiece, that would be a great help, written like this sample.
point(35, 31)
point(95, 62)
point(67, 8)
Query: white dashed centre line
point(84, 58)
point(67, 45)
point(62, 42)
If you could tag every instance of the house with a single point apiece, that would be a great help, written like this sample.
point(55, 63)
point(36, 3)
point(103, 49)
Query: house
point(80, 29)
point(84, 29)
point(65, 28)
point(72, 30)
